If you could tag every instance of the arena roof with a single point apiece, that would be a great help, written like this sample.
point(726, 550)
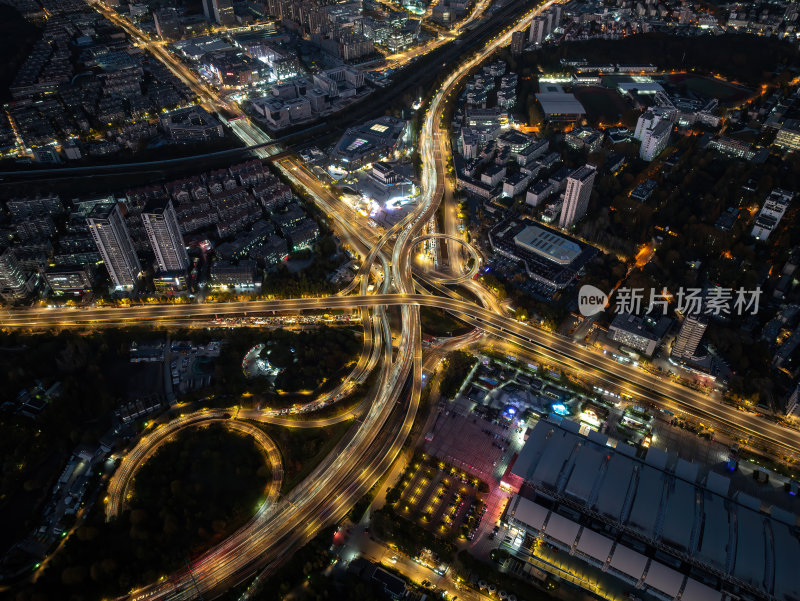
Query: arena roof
point(751, 550)
point(530, 513)
point(628, 561)
point(647, 504)
point(663, 578)
point(562, 529)
point(681, 507)
point(595, 545)
point(374, 136)
point(697, 591)
point(669, 507)
point(547, 244)
point(553, 261)
point(560, 103)
point(586, 472)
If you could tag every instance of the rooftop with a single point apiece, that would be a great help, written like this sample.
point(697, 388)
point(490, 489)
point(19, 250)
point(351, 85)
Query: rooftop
point(555, 101)
point(648, 327)
point(681, 509)
point(549, 245)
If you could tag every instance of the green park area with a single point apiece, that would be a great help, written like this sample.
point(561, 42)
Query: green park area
point(193, 493)
point(437, 322)
point(302, 449)
point(88, 367)
point(456, 367)
point(740, 57)
point(95, 376)
point(709, 87)
point(310, 362)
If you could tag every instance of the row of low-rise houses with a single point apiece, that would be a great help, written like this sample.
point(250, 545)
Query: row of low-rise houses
point(586, 20)
point(302, 100)
point(58, 249)
point(81, 77)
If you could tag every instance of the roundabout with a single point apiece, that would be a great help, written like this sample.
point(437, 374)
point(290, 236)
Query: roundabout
point(451, 279)
point(119, 489)
point(282, 524)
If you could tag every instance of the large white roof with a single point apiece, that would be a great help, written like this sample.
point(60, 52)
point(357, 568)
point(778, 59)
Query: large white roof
point(559, 103)
point(529, 513)
point(663, 578)
point(562, 529)
point(628, 561)
point(547, 244)
point(595, 545)
point(697, 591)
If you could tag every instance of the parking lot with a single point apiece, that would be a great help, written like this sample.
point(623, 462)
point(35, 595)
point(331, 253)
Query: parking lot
point(507, 269)
point(191, 366)
point(477, 445)
point(441, 498)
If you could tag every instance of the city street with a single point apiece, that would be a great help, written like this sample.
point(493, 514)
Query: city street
point(388, 292)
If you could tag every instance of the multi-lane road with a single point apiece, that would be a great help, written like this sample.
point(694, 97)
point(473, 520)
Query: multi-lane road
point(374, 441)
point(661, 391)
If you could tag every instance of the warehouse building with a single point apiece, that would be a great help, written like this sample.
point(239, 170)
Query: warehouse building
point(661, 525)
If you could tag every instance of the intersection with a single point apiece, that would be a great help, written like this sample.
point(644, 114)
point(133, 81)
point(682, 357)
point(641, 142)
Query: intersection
point(283, 524)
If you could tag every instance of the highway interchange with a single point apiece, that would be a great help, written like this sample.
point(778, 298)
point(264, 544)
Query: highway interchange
point(283, 523)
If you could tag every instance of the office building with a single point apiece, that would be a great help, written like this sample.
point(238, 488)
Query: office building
point(517, 42)
point(110, 234)
point(219, 11)
point(548, 16)
point(170, 282)
point(576, 196)
point(788, 136)
point(368, 143)
point(191, 124)
point(733, 148)
point(14, 284)
point(556, 9)
point(69, 279)
point(643, 334)
point(651, 117)
point(208, 10)
point(771, 213)
point(164, 234)
point(655, 139)
point(646, 121)
point(40, 206)
point(644, 190)
point(689, 337)
point(537, 31)
point(168, 23)
point(242, 276)
point(559, 106)
point(584, 138)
